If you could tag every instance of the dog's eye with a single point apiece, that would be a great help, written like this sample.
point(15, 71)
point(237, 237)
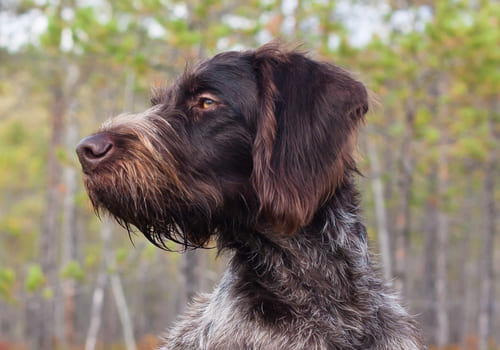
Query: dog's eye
point(206, 103)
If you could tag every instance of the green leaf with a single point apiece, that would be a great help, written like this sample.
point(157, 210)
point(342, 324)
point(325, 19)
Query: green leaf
point(35, 279)
point(121, 255)
point(48, 293)
point(431, 134)
point(7, 279)
point(471, 147)
point(73, 270)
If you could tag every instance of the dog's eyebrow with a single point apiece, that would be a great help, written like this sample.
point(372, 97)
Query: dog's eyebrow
point(207, 95)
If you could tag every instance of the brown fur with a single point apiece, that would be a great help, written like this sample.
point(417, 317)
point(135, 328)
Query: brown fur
point(255, 150)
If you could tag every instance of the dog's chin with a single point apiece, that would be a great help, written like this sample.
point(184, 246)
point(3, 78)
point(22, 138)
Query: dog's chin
point(170, 228)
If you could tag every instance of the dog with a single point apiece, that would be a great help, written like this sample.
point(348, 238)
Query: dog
point(253, 150)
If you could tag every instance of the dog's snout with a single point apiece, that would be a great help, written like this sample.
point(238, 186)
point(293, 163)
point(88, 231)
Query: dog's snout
point(93, 150)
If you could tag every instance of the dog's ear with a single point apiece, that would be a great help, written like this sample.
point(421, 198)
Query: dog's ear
point(309, 114)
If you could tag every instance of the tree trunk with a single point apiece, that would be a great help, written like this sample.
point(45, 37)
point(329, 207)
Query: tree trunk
point(123, 313)
point(487, 276)
point(430, 224)
point(117, 289)
point(442, 112)
point(380, 210)
point(466, 265)
point(61, 86)
point(43, 337)
point(403, 215)
point(98, 296)
point(65, 311)
point(299, 16)
point(442, 254)
point(96, 310)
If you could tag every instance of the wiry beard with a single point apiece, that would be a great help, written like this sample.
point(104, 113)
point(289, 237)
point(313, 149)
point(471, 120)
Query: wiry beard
point(142, 188)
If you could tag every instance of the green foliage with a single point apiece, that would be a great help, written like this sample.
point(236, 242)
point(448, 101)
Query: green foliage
point(91, 260)
point(7, 282)
point(472, 148)
point(110, 270)
point(12, 226)
point(446, 74)
point(47, 293)
point(73, 270)
point(15, 133)
point(24, 159)
point(35, 279)
point(121, 255)
point(431, 134)
point(51, 39)
point(149, 252)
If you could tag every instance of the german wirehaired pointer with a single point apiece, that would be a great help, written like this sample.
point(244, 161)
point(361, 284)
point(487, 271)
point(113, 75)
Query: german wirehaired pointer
point(253, 149)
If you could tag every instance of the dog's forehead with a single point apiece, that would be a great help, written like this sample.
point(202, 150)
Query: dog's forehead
point(224, 59)
point(230, 75)
point(220, 71)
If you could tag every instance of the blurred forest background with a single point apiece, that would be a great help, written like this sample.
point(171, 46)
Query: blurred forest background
point(429, 151)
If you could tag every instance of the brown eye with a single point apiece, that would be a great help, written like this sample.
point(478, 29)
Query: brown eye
point(207, 103)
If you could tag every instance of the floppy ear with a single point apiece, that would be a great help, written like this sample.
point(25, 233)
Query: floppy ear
point(309, 114)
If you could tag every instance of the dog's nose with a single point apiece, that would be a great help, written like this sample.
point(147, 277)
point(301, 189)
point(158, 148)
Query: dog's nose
point(93, 150)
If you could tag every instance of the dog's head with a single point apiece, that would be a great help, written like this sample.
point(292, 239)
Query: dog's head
point(245, 140)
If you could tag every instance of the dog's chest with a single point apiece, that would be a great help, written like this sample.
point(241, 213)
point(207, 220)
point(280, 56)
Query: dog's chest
point(222, 321)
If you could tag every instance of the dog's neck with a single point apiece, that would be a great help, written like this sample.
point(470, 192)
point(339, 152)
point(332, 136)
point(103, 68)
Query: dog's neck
point(325, 260)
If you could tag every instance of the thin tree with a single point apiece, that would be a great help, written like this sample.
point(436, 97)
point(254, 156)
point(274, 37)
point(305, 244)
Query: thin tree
point(380, 209)
point(486, 304)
